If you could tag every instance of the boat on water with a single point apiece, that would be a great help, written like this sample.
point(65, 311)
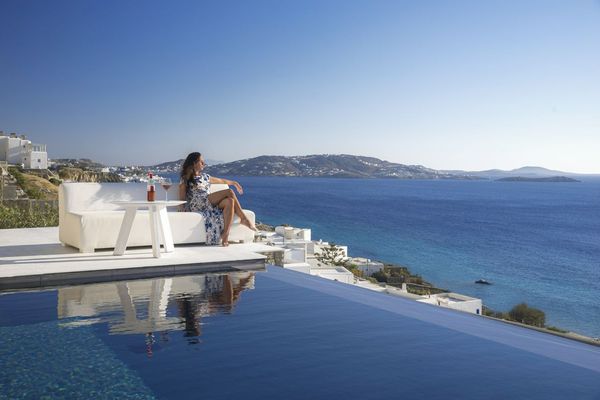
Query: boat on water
point(483, 282)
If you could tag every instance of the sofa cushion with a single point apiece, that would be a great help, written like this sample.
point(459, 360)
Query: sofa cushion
point(99, 196)
point(102, 227)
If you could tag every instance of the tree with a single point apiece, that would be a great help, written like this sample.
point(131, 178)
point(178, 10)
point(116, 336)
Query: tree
point(332, 255)
point(380, 276)
point(527, 315)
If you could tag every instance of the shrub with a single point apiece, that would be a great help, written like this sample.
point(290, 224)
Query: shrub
point(380, 276)
point(527, 315)
point(15, 217)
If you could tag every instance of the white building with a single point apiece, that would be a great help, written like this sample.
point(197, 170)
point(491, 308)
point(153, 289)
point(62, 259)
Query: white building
point(18, 150)
point(455, 301)
point(366, 266)
point(291, 233)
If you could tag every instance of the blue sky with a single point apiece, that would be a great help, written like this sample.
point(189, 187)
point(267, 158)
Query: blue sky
point(446, 84)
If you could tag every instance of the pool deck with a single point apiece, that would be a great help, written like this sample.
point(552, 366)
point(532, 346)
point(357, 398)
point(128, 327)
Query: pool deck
point(34, 257)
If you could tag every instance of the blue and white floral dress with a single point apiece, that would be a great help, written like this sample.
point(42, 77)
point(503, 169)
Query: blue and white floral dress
point(196, 195)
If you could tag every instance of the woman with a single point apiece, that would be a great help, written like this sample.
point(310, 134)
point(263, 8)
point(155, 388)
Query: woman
point(217, 208)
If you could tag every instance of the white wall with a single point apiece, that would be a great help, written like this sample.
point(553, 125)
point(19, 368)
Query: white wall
point(11, 149)
point(20, 151)
point(334, 275)
point(36, 160)
point(294, 255)
point(460, 303)
point(291, 233)
point(298, 267)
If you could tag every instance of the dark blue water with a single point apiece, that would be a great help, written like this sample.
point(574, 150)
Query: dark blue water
point(271, 335)
point(537, 242)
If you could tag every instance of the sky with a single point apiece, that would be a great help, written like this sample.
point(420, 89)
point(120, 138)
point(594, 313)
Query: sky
point(469, 85)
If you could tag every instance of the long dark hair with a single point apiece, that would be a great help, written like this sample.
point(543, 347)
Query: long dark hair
point(187, 170)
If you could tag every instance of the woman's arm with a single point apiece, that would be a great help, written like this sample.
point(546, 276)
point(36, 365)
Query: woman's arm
point(235, 184)
point(181, 195)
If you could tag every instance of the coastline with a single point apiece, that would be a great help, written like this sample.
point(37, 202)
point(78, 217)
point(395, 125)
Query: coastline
point(546, 329)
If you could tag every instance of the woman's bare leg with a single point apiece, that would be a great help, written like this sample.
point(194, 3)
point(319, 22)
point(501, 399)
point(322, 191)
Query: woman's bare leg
point(217, 197)
point(227, 206)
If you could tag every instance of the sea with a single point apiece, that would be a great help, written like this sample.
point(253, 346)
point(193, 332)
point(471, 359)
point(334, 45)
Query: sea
point(537, 243)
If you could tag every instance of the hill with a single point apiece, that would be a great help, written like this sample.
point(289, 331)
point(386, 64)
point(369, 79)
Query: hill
point(328, 165)
point(83, 163)
point(524, 172)
point(545, 179)
point(173, 166)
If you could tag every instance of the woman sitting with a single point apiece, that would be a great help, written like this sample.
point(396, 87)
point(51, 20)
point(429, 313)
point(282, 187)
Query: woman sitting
point(217, 208)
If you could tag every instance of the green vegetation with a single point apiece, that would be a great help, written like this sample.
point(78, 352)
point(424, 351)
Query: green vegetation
point(555, 329)
point(82, 175)
point(332, 255)
point(528, 315)
point(394, 275)
point(524, 314)
point(397, 275)
point(34, 186)
point(355, 271)
point(15, 217)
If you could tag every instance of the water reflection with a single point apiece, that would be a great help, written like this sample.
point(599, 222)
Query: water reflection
point(153, 306)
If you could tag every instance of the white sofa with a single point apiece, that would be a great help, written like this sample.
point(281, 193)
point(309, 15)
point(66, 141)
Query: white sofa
point(88, 220)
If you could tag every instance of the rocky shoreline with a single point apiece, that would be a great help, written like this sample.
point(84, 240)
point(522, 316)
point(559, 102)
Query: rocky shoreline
point(429, 288)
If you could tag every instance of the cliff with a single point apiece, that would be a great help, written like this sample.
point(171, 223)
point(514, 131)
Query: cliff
point(80, 175)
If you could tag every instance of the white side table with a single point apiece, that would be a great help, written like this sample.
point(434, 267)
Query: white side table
point(160, 229)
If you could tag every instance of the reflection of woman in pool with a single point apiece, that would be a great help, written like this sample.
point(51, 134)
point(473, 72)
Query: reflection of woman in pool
point(217, 208)
point(222, 293)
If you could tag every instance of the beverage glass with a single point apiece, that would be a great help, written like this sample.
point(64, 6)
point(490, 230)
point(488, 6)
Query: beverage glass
point(166, 184)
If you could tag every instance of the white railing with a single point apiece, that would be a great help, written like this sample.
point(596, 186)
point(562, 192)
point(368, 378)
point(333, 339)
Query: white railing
point(38, 147)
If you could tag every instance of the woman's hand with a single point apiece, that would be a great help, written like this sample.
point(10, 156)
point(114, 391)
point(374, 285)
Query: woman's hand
point(238, 187)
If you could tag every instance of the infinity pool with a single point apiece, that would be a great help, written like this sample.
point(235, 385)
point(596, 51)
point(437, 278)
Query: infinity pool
point(271, 334)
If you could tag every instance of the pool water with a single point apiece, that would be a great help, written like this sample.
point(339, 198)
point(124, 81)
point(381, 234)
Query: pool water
point(271, 334)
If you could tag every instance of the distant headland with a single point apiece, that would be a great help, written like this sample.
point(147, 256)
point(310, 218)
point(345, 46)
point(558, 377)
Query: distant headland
point(545, 179)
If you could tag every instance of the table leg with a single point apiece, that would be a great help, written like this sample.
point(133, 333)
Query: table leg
point(154, 231)
point(125, 231)
point(166, 234)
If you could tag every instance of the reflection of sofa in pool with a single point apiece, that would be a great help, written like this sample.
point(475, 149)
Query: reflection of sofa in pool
point(122, 303)
point(88, 219)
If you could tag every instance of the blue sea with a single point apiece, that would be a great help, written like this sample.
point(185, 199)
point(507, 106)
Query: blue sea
point(537, 243)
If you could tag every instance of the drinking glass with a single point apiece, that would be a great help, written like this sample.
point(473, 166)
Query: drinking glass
point(166, 184)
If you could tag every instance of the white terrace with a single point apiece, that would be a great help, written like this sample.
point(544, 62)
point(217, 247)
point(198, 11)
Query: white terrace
point(34, 257)
point(91, 242)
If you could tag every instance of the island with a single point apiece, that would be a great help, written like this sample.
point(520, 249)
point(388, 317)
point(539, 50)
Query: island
point(545, 179)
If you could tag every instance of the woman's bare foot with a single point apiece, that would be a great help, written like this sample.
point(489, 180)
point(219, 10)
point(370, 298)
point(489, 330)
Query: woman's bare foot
point(246, 222)
point(224, 240)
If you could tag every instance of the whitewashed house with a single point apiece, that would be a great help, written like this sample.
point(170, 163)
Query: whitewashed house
point(455, 301)
point(291, 233)
point(366, 266)
point(18, 150)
